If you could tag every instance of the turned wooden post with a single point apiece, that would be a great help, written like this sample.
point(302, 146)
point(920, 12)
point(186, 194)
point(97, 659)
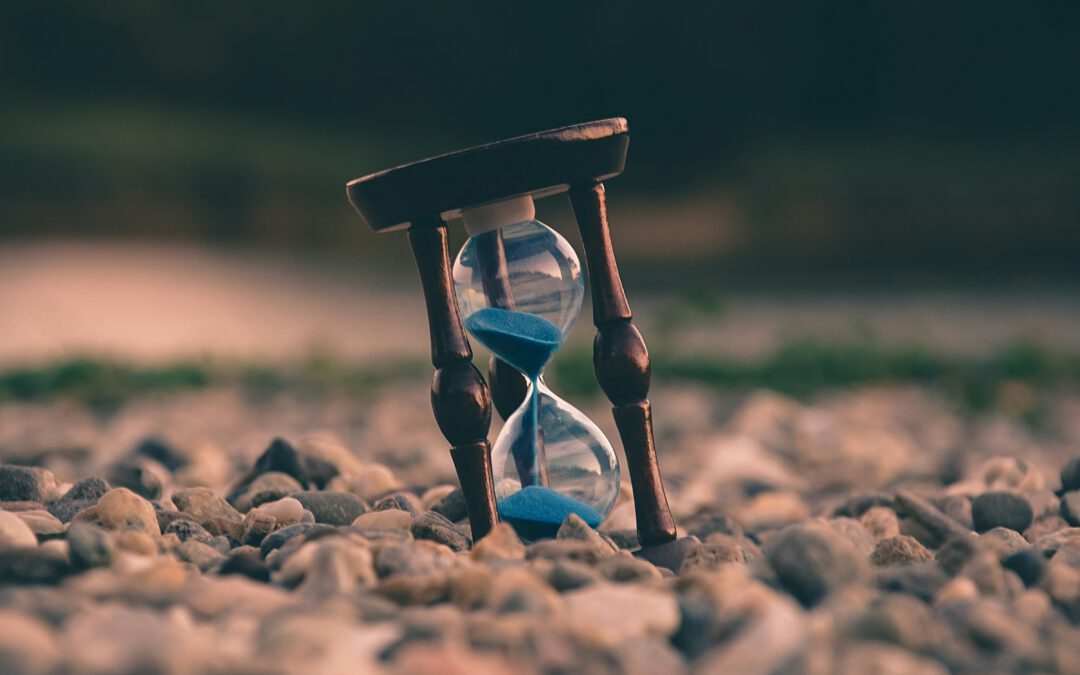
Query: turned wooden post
point(459, 396)
point(622, 365)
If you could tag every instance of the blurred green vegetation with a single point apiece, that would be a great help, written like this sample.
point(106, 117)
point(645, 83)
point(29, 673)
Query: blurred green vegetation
point(800, 368)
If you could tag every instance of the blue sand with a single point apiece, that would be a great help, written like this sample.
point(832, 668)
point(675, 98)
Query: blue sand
point(527, 342)
point(523, 340)
point(537, 512)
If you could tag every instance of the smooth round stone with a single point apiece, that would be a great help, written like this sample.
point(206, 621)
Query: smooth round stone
point(433, 527)
point(1070, 507)
point(332, 508)
point(1029, 565)
point(122, 509)
point(1001, 509)
point(537, 512)
point(14, 533)
point(388, 519)
point(811, 561)
point(1070, 475)
point(285, 511)
point(42, 523)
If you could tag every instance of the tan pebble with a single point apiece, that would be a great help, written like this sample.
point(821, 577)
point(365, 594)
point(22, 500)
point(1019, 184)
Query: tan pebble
point(14, 533)
point(285, 511)
point(501, 542)
point(41, 522)
point(134, 541)
point(960, 588)
point(881, 522)
point(390, 519)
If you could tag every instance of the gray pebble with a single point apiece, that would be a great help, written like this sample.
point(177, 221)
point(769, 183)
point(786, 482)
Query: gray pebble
point(899, 550)
point(1001, 509)
point(90, 546)
point(1070, 507)
point(332, 508)
point(452, 506)
point(25, 484)
point(434, 527)
point(812, 560)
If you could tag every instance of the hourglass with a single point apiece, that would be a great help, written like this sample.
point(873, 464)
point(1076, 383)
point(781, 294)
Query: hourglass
point(516, 286)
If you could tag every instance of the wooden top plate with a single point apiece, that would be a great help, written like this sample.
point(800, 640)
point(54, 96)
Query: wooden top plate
point(539, 164)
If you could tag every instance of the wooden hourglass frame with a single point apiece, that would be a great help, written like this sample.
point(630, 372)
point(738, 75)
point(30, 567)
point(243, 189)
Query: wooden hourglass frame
point(422, 197)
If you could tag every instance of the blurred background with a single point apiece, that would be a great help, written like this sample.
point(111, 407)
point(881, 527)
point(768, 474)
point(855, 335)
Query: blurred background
point(866, 172)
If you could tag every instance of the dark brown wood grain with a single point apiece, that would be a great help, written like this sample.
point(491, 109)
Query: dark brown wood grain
point(460, 398)
point(622, 366)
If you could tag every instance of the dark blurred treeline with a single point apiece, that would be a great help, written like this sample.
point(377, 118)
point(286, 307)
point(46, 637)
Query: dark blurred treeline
point(886, 127)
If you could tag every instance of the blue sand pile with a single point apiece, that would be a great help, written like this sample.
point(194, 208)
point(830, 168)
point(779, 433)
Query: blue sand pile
point(537, 512)
point(523, 340)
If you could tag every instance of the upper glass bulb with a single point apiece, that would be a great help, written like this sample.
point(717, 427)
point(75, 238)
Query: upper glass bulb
point(524, 267)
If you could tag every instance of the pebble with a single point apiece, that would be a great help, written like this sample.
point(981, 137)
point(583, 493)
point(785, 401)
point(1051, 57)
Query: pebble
point(82, 495)
point(811, 561)
point(1001, 509)
point(247, 562)
point(881, 522)
point(452, 506)
point(332, 508)
point(277, 539)
point(771, 510)
point(919, 580)
point(1003, 541)
point(501, 543)
point(265, 487)
point(209, 510)
point(286, 511)
point(14, 533)
point(1070, 507)
point(566, 575)
point(1028, 565)
point(900, 549)
point(161, 452)
point(563, 549)
point(27, 484)
point(401, 501)
point(43, 524)
point(122, 509)
point(389, 519)
point(89, 545)
point(435, 495)
point(282, 457)
point(143, 476)
point(1010, 473)
point(186, 529)
point(626, 569)
point(608, 614)
point(858, 503)
point(433, 527)
point(955, 553)
point(28, 646)
point(198, 554)
point(719, 550)
point(1070, 475)
point(39, 565)
point(718, 522)
point(573, 528)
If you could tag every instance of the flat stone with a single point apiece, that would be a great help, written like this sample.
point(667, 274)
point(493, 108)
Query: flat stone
point(1001, 509)
point(42, 523)
point(122, 509)
point(900, 549)
point(433, 527)
point(210, 511)
point(400, 501)
point(389, 519)
point(38, 565)
point(811, 561)
point(198, 554)
point(186, 529)
point(14, 533)
point(332, 508)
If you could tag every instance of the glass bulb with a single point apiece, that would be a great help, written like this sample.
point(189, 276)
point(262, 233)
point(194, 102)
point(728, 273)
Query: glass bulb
point(563, 451)
point(525, 267)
